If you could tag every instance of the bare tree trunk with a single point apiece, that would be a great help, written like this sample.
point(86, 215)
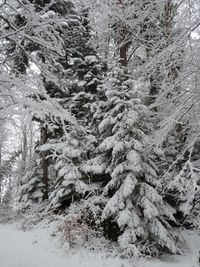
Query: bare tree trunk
point(168, 21)
point(31, 142)
point(45, 179)
point(24, 149)
point(122, 39)
point(123, 50)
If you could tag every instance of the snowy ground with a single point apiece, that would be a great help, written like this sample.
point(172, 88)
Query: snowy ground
point(37, 248)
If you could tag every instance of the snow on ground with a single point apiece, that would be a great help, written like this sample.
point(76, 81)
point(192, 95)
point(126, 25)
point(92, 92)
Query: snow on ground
point(190, 259)
point(38, 248)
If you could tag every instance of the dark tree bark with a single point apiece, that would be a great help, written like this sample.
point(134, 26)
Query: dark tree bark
point(45, 178)
point(122, 39)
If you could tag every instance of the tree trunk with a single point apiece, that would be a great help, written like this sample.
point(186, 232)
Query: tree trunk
point(45, 179)
point(168, 21)
point(122, 39)
point(24, 150)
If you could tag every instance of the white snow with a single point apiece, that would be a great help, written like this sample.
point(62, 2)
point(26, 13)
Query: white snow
point(38, 248)
point(190, 259)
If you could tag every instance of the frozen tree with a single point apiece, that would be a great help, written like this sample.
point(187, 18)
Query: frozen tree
point(70, 185)
point(54, 47)
point(74, 148)
point(32, 189)
point(178, 131)
point(122, 158)
point(134, 203)
point(67, 77)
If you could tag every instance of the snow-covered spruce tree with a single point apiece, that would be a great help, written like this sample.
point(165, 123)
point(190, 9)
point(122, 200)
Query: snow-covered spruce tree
point(71, 30)
point(68, 153)
point(31, 188)
point(82, 72)
point(135, 213)
point(85, 74)
point(181, 180)
point(183, 192)
point(74, 147)
point(114, 162)
point(54, 47)
point(85, 96)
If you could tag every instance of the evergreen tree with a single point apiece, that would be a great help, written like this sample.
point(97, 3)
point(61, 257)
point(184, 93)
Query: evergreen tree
point(31, 189)
point(85, 75)
point(68, 154)
point(134, 204)
point(64, 56)
point(181, 181)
